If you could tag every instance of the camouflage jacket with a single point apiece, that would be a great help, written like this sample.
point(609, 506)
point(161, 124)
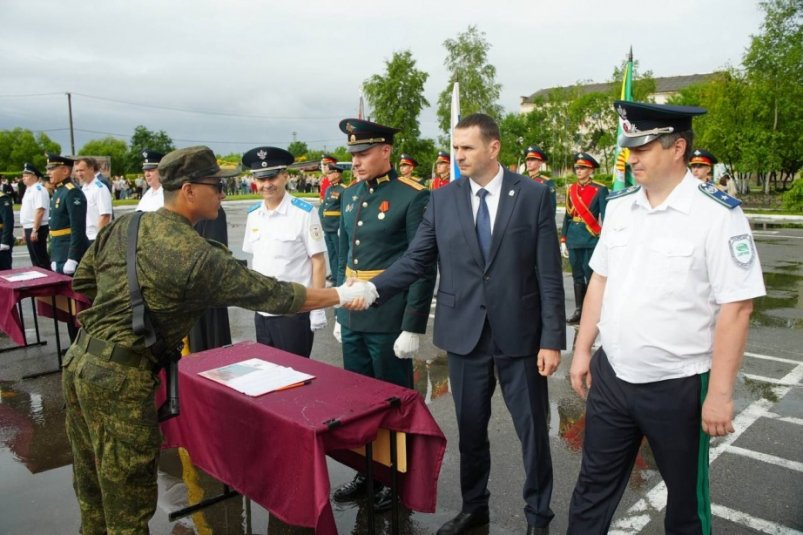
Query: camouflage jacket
point(181, 275)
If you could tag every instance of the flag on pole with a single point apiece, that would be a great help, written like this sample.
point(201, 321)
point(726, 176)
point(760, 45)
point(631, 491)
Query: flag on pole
point(622, 176)
point(454, 171)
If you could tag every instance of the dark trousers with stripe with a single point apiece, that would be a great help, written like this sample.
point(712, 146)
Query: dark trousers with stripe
point(288, 333)
point(525, 392)
point(332, 242)
point(579, 259)
point(618, 416)
point(372, 354)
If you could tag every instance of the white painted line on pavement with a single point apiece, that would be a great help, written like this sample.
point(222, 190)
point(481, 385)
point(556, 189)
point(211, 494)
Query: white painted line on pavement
point(767, 458)
point(770, 357)
point(787, 419)
point(770, 380)
point(758, 524)
point(634, 520)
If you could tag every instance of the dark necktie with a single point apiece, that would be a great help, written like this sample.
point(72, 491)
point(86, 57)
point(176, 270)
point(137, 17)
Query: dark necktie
point(484, 225)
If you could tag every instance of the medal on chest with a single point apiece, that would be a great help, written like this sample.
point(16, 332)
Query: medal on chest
point(383, 208)
point(58, 201)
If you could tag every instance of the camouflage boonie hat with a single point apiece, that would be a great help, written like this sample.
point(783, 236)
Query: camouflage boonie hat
point(189, 165)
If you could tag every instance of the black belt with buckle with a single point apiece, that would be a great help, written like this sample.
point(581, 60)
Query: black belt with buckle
point(113, 352)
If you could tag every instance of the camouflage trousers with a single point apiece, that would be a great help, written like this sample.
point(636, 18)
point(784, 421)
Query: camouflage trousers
point(114, 435)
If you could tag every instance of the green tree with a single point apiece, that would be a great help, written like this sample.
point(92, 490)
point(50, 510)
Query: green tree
point(116, 149)
point(20, 145)
point(146, 139)
point(467, 63)
point(774, 68)
point(297, 149)
point(397, 98)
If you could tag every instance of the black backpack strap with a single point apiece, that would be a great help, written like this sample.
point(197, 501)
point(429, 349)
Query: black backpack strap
point(140, 321)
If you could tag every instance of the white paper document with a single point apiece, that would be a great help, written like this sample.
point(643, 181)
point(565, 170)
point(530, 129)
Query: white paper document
point(24, 276)
point(255, 377)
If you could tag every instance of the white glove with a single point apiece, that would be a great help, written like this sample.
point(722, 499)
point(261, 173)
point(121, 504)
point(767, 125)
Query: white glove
point(4, 247)
point(356, 289)
point(52, 266)
point(336, 333)
point(317, 319)
point(564, 251)
point(69, 266)
point(406, 345)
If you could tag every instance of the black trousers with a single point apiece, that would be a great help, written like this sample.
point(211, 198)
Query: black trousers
point(579, 259)
point(525, 392)
point(288, 333)
point(5, 259)
point(618, 416)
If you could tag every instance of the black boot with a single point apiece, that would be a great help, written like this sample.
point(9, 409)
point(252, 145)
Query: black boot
point(579, 295)
point(352, 490)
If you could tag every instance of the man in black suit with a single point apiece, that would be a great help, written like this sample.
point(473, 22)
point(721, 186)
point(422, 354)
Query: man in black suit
point(500, 305)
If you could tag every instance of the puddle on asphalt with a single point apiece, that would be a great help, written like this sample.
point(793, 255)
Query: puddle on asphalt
point(782, 305)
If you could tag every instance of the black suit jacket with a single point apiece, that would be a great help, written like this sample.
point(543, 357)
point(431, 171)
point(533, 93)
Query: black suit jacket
point(519, 291)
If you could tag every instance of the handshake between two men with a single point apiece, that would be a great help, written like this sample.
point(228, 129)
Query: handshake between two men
point(359, 295)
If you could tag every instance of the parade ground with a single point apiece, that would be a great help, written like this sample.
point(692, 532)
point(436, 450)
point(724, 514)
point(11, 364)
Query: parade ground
point(756, 473)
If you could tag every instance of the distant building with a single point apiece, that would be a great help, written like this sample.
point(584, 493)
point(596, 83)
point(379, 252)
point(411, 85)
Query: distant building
point(665, 88)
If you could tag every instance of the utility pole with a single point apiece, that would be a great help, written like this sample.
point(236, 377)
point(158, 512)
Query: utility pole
point(294, 136)
point(72, 134)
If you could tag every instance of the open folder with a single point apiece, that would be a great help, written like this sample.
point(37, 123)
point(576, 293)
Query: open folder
point(255, 377)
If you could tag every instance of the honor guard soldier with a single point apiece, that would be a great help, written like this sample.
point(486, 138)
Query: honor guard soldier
point(534, 159)
point(327, 160)
point(285, 236)
point(330, 215)
point(381, 213)
point(6, 229)
point(153, 198)
point(441, 177)
point(35, 216)
point(407, 165)
point(675, 274)
point(702, 165)
point(582, 224)
point(68, 240)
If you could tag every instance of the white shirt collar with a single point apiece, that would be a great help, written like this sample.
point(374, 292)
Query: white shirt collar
point(281, 209)
point(493, 187)
point(678, 199)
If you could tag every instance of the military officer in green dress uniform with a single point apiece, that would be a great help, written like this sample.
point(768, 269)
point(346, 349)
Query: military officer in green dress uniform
point(381, 213)
point(534, 159)
point(702, 164)
point(407, 165)
point(582, 224)
point(6, 230)
point(68, 240)
point(330, 215)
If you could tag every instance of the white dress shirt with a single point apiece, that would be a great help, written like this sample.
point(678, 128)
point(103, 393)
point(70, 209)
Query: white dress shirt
point(98, 203)
point(283, 240)
point(151, 200)
point(494, 188)
point(34, 198)
point(668, 270)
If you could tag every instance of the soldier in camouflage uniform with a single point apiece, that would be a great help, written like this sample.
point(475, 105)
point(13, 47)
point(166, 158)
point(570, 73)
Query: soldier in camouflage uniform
point(68, 240)
point(109, 375)
point(330, 215)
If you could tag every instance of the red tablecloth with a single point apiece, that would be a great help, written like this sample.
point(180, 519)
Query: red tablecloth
point(13, 292)
point(272, 448)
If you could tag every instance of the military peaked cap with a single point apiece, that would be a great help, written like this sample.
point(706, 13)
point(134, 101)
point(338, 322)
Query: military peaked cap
point(533, 151)
point(54, 160)
point(703, 157)
point(408, 160)
point(29, 168)
point(642, 123)
point(267, 162)
point(362, 135)
point(586, 160)
point(151, 159)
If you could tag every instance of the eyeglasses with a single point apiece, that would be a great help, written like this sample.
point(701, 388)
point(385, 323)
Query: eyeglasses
point(217, 185)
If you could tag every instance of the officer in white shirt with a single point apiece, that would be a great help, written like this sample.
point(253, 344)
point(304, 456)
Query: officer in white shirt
point(98, 197)
point(35, 215)
point(153, 198)
point(286, 238)
point(675, 272)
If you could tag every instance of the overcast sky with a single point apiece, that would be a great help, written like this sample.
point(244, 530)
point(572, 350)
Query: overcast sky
point(260, 71)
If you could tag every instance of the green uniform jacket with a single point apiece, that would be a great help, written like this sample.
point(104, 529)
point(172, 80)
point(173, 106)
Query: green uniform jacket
point(181, 275)
point(379, 220)
point(330, 204)
point(68, 211)
point(576, 233)
point(553, 192)
point(6, 220)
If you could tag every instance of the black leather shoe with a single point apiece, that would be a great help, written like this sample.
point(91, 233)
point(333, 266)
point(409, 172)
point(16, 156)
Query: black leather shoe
point(533, 530)
point(383, 499)
point(352, 490)
point(463, 522)
point(574, 318)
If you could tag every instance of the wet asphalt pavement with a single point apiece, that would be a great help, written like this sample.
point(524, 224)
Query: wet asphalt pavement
point(756, 473)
